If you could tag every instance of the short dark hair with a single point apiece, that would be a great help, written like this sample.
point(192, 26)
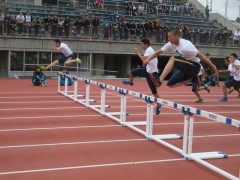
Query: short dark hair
point(175, 31)
point(57, 41)
point(226, 58)
point(145, 41)
point(234, 55)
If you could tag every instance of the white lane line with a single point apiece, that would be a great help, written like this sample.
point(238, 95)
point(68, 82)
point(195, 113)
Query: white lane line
point(43, 117)
point(39, 92)
point(42, 97)
point(91, 166)
point(27, 109)
point(71, 143)
point(58, 128)
point(217, 135)
point(99, 126)
point(100, 141)
point(234, 155)
point(34, 102)
point(26, 97)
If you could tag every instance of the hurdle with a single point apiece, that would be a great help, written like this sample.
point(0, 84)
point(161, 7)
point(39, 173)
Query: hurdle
point(120, 117)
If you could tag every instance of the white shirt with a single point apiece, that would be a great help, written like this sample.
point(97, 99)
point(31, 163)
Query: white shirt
point(152, 66)
point(236, 35)
point(236, 73)
point(20, 19)
point(185, 49)
point(1, 17)
point(230, 69)
point(28, 18)
point(65, 49)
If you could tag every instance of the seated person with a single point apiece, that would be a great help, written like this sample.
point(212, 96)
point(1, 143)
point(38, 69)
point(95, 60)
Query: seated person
point(39, 78)
point(62, 78)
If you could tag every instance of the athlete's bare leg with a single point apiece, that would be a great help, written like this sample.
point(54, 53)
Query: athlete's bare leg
point(52, 65)
point(168, 68)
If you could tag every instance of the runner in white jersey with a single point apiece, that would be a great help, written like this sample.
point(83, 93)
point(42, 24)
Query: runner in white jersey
point(187, 62)
point(150, 68)
point(229, 70)
point(65, 58)
point(232, 82)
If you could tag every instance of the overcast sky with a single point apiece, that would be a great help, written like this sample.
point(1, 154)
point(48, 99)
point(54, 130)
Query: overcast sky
point(219, 6)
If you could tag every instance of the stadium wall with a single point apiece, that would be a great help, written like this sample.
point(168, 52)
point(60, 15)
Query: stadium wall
point(101, 52)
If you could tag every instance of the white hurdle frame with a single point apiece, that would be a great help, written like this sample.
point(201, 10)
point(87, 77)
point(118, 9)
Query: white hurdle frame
point(188, 112)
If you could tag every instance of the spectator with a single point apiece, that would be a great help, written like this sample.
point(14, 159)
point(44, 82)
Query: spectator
point(28, 23)
point(60, 26)
point(1, 23)
point(99, 3)
point(114, 25)
point(54, 26)
point(129, 9)
point(67, 26)
point(78, 25)
point(122, 27)
point(20, 20)
point(47, 25)
point(39, 78)
point(7, 19)
point(105, 26)
point(86, 26)
point(145, 29)
point(236, 36)
point(12, 25)
point(62, 78)
point(116, 14)
point(36, 25)
point(95, 24)
point(207, 11)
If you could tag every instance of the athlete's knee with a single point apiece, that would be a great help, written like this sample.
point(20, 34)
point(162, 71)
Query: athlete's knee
point(56, 62)
point(172, 58)
point(194, 87)
point(170, 83)
point(130, 73)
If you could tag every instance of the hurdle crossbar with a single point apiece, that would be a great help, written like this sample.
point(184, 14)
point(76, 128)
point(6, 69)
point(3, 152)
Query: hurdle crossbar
point(188, 112)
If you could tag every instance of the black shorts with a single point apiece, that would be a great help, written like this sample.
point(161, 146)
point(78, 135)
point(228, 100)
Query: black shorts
point(231, 82)
point(62, 59)
point(142, 72)
point(187, 70)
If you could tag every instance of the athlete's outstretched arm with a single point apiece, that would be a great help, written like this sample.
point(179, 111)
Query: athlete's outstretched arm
point(149, 58)
point(208, 62)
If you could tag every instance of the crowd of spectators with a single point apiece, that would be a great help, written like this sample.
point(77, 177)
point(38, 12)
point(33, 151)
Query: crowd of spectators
point(113, 26)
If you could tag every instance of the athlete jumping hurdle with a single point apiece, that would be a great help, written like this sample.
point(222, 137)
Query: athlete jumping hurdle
point(65, 58)
point(151, 68)
point(187, 62)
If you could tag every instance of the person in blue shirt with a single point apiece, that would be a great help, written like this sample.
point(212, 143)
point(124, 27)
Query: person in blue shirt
point(62, 78)
point(39, 78)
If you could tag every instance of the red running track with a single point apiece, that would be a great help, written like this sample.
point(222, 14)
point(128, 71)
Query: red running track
point(44, 135)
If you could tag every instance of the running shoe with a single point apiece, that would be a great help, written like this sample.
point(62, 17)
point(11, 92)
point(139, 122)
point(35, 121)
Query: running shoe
point(230, 91)
point(200, 101)
point(127, 82)
point(155, 80)
point(45, 85)
point(78, 60)
point(158, 109)
point(224, 99)
point(206, 88)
